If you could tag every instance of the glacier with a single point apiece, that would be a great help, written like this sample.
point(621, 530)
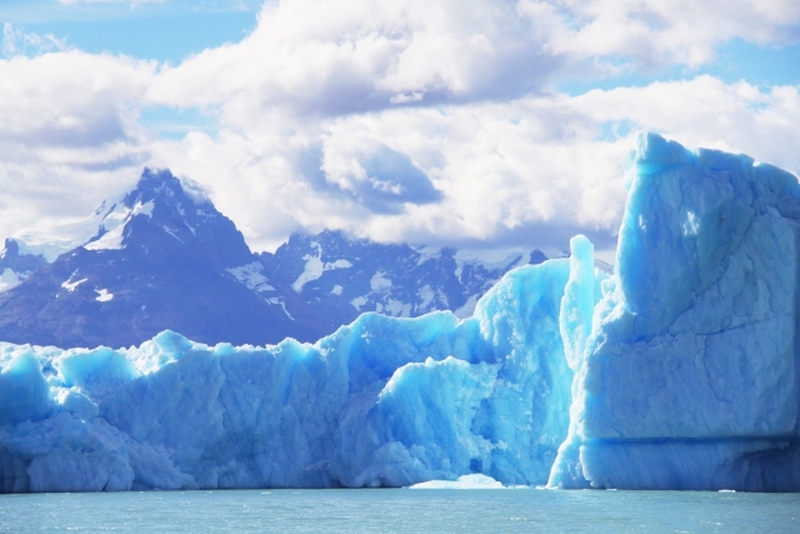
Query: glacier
point(382, 402)
point(688, 378)
point(677, 371)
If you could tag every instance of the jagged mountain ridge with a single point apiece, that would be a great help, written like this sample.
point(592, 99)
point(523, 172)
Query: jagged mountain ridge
point(163, 257)
point(346, 277)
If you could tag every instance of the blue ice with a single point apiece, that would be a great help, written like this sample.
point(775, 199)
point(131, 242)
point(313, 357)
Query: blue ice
point(689, 377)
point(381, 402)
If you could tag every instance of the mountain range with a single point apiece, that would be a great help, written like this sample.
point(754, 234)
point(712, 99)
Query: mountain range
point(163, 257)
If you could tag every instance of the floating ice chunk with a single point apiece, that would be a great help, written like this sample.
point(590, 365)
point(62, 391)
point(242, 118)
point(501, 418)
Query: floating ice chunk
point(475, 481)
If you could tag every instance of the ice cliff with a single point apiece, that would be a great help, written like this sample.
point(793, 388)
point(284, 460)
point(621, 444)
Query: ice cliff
point(384, 401)
point(678, 371)
point(689, 377)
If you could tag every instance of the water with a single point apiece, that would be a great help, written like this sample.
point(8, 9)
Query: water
point(401, 510)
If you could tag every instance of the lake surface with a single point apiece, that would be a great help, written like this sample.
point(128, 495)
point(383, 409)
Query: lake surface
point(402, 510)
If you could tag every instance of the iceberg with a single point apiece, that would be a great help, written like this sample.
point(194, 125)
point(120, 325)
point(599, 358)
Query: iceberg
point(678, 371)
point(474, 481)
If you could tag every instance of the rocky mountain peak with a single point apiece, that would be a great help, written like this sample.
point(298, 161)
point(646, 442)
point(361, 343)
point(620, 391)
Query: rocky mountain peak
point(163, 213)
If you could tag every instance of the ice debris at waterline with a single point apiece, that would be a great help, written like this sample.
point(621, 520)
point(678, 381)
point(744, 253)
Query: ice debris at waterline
point(473, 481)
point(679, 371)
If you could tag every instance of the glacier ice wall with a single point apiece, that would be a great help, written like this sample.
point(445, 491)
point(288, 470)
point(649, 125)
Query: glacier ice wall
point(382, 402)
point(689, 377)
point(679, 371)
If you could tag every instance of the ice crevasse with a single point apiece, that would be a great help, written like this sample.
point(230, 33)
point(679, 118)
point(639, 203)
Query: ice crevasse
point(679, 371)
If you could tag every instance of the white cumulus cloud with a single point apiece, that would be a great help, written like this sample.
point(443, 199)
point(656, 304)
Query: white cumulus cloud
point(431, 121)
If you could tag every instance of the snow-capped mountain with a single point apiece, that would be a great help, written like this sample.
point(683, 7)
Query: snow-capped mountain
point(162, 257)
point(158, 261)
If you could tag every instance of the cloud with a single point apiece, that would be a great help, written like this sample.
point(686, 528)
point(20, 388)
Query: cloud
point(529, 170)
point(644, 34)
point(352, 56)
point(382, 179)
point(410, 120)
point(18, 42)
point(70, 99)
point(68, 134)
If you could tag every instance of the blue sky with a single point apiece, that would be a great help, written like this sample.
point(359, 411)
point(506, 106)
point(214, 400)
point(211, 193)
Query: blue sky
point(764, 65)
point(296, 115)
point(165, 31)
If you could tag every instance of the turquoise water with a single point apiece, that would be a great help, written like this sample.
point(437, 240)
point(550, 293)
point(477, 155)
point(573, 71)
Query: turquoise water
point(401, 510)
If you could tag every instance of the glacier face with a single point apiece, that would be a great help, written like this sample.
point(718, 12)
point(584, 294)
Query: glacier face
point(382, 402)
point(689, 378)
point(679, 371)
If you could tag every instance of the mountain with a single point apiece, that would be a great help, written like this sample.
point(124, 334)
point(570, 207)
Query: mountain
point(345, 277)
point(158, 260)
point(163, 257)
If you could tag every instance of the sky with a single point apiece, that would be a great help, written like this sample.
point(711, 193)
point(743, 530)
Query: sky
point(477, 124)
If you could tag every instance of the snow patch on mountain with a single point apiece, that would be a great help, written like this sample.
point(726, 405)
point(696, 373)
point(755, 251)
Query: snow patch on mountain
point(359, 302)
point(48, 247)
point(112, 228)
point(8, 279)
point(111, 240)
point(426, 295)
point(467, 309)
point(251, 276)
point(394, 308)
point(279, 302)
point(71, 285)
point(427, 253)
point(174, 233)
point(103, 295)
point(379, 282)
point(315, 267)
